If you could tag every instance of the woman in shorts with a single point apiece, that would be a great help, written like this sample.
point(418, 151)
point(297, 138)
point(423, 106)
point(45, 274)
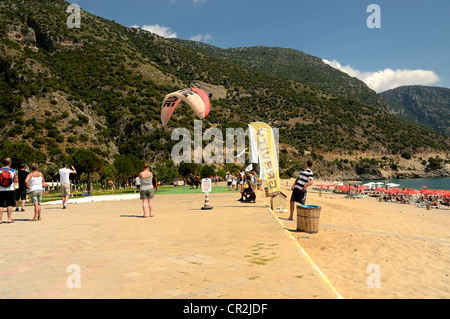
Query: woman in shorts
point(34, 183)
point(146, 190)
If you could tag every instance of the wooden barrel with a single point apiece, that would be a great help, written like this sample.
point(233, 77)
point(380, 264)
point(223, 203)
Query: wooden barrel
point(308, 218)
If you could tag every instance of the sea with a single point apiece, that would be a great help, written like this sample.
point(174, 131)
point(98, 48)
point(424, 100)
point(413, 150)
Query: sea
point(441, 183)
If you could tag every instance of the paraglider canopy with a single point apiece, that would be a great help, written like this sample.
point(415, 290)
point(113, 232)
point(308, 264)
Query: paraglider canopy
point(195, 97)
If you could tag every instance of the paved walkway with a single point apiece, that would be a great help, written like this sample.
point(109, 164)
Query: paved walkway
point(235, 250)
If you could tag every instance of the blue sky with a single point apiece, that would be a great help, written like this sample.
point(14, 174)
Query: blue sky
point(412, 45)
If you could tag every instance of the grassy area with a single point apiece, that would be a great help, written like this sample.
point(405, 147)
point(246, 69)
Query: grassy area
point(162, 190)
point(187, 190)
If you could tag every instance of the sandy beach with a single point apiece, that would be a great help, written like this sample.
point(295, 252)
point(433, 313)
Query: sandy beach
point(236, 250)
point(409, 245)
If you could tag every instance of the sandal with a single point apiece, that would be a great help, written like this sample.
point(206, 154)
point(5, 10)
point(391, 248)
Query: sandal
point(33, 219)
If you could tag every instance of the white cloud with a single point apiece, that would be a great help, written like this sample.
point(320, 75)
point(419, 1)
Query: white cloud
point(201, 38)
point(386, 79)
point(158, 29)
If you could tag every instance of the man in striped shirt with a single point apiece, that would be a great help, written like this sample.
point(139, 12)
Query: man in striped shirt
point(304, 179)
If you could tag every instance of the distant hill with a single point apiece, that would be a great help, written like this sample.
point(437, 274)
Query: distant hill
point(427, 105)
point(294, 65)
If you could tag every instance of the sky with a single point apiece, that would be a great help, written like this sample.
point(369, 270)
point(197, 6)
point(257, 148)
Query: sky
point(385, 43)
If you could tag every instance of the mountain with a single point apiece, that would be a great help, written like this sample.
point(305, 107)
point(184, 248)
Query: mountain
point(101, 87)
point(427, 105)
point(294, 65)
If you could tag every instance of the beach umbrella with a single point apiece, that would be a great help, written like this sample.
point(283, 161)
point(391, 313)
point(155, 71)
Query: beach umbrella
point(392, 185)
point(411, 191)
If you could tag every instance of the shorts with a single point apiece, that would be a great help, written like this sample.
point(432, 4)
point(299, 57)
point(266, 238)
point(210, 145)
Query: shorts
point(248, 190)
point(7, 198)
point(36, 196)
point(144, 194)
point(229, 183)
point(21, 193)
point(298, 196)
point(65, 190)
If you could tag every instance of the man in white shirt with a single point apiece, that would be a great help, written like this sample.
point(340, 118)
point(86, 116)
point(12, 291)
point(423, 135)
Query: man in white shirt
point(65, 182)
point(7, 194)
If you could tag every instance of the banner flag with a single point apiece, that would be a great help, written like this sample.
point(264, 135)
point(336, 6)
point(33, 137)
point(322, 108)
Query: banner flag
point(253, 152)
point(267, 154)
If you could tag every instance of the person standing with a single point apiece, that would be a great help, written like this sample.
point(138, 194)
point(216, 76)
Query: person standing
point(21, 192)
point(155, 183)
point(146, 192)
point(137, 183)
point(34, 182)
point(304, 180)
point(64, 180)
point(7, 194)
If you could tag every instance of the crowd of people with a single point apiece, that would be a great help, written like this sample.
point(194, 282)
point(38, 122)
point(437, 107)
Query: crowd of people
point(245, 183)
point(15, 185)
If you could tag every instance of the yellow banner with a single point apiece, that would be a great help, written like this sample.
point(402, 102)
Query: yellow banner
point(267, 154)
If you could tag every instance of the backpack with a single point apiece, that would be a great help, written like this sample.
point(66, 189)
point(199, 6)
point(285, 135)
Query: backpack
point(5, 178)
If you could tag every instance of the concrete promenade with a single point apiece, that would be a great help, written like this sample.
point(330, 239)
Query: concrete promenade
point(234, 251)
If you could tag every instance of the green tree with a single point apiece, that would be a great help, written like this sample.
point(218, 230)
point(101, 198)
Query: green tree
point(109, 172)
point(186, 169)
point(20, 153)
point(86, 161)
point(127, 166)
point(206, 171)
point(165, 173)
point(434, 163)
